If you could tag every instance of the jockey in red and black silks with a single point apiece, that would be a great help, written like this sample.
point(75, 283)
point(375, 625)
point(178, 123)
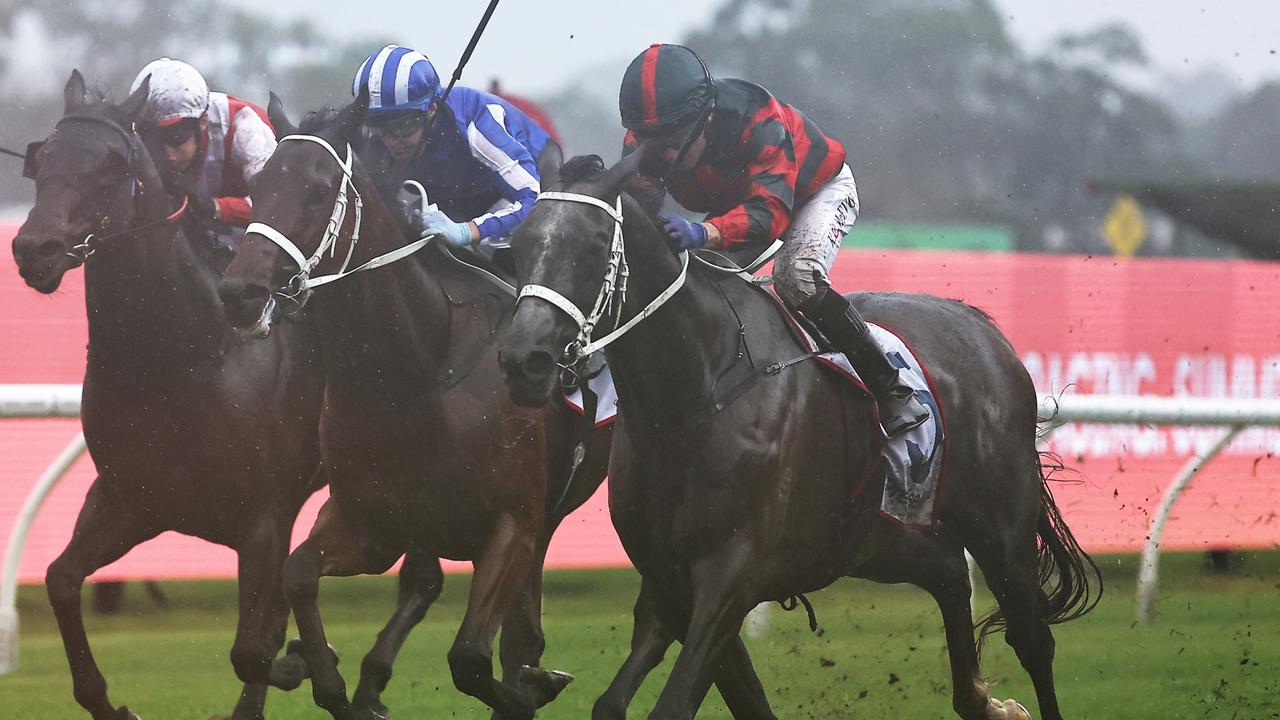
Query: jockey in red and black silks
point(207, 145)
point(760, 170)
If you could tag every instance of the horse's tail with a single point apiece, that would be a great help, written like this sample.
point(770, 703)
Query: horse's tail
point(1069, 577)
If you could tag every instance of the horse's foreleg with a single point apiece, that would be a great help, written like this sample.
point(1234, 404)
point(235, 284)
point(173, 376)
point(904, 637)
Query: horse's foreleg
point(421, 581)
point(105, 530)
point(649, 643)
point(719, 607)
point(263, 615)
point(739, 685)
point(334, 547)
point(521, 643)
point(500, 574)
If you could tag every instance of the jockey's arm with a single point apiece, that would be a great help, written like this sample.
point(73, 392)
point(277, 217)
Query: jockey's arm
point(251, 147)
point(765, 212)
point(514, 166)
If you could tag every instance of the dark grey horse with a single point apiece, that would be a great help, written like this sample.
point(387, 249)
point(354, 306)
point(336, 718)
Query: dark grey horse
point(735, 474)
point(191, 428)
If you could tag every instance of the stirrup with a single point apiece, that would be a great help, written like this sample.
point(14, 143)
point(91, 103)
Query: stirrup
point(908, 413)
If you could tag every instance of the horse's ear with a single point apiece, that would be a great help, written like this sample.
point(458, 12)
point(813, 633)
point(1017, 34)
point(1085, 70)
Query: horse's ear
point(622, 171)
point(279, 119)
point(74, 92)
point(132, 105)
point(549, 163)
point(353, 116)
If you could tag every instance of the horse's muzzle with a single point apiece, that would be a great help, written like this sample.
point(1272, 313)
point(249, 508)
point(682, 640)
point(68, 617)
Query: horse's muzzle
point(250, 308)
point(531, 375)
point(41, 261)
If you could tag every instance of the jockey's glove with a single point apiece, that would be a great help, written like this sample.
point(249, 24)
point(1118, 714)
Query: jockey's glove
point(683, 234)
point(436, 223)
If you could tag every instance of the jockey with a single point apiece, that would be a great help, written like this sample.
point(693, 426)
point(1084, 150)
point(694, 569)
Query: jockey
point(761, 170)
point(475, 153)
point(207, 145)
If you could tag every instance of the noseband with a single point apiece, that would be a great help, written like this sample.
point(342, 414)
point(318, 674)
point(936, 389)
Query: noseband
point(613, 289)
point(299, 287)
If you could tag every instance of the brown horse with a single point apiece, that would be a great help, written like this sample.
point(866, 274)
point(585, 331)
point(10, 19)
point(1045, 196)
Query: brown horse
point(191, 429)
point(736, 462)
point(423, 449)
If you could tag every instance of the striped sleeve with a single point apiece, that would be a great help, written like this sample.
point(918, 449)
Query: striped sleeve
point(493, 146)
point(765, 212)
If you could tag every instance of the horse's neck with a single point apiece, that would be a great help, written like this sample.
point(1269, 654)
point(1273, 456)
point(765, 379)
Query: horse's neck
point(152, 304)
point(388, 324)
point(666, 366)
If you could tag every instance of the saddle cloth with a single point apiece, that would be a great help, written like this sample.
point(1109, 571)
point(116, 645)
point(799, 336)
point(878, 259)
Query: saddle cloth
point(912, 461)
point(602, 385)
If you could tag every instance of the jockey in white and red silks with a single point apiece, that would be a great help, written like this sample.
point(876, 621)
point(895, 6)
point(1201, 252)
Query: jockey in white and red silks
point(207, 145)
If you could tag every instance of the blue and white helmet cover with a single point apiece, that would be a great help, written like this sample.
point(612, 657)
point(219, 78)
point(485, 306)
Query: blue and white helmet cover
point(398, 79)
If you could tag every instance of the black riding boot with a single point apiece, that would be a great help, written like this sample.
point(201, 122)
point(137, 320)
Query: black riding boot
point(840, 321)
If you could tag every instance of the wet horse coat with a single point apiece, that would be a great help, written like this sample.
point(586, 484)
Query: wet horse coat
point(191, 429)
point(423, 448)
point(725, 499)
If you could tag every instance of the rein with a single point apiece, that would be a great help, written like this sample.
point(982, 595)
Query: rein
point(613, 290)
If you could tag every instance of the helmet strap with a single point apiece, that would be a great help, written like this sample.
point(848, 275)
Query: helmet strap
point(689, 139)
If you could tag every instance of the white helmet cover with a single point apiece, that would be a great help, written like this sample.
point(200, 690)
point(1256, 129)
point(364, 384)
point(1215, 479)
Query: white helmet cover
point(178, 91)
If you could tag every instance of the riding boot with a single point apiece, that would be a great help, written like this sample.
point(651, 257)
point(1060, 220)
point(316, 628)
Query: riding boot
point(839, 320)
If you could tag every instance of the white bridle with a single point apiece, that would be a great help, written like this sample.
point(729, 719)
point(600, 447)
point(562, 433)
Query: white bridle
point(303, 281)
point(613, 290)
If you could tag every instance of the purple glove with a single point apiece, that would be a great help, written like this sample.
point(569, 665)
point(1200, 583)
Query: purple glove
point(683, 234)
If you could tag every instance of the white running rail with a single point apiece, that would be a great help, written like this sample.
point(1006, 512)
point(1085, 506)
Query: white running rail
point(31, 401)
point(63, 401)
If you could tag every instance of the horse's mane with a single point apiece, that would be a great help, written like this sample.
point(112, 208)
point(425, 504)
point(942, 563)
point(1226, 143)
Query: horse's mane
point(317, 120)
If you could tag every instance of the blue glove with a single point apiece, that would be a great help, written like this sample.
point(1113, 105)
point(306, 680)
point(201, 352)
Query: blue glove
point(456, 234)
point(683, 234)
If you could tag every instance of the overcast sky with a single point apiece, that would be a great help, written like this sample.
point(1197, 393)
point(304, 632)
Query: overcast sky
point(537, 45)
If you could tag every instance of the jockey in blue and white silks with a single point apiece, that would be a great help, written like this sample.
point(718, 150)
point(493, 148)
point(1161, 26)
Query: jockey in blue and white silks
point(475, 153)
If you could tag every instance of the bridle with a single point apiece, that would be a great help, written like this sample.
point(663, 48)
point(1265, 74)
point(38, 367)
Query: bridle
point(300, 285)
point(612, 295)
point(81, 252)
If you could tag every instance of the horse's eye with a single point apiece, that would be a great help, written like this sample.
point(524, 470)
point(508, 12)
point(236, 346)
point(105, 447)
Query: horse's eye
point(318, 194)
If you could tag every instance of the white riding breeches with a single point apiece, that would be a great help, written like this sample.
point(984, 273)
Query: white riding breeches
point(812, 241)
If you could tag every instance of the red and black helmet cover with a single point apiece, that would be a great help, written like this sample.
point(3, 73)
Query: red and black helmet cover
point(664, 87)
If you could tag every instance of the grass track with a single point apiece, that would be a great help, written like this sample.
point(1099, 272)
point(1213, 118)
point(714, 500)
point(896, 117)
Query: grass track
point(1213, 652)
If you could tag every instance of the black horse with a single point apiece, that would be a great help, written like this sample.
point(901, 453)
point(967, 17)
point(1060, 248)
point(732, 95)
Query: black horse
point(735, 471)
point(191, 429)
point(423, 449)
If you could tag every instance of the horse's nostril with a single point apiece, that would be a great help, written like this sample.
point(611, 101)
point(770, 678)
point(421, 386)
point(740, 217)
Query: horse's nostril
point(50, 248)
point(538, 365)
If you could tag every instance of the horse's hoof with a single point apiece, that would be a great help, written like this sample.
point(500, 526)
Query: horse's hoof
point(295, 648)
point(288, 671)
point(543, 685)
point(124, 713)
point(1007, 710)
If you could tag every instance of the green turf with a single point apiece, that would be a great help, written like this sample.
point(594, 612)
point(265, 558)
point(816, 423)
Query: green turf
point(1212, 652)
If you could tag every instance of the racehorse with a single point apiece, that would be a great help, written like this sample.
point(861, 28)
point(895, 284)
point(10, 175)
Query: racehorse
point(737, 459)
point(191, 429)
point(422, 446)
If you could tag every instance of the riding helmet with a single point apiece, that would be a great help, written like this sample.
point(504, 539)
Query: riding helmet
point(177, 92)
point(398, 79)
point(664, 87)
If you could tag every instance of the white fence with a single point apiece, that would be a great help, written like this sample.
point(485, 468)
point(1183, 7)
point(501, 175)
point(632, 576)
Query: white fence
point(45, 401)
